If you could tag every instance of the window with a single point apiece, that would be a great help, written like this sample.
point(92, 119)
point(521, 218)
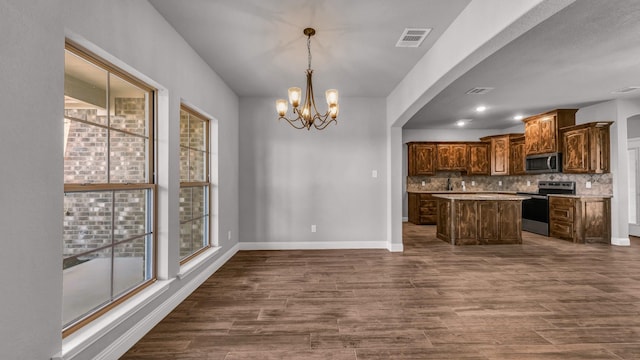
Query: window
point(109, 191)
point(194, 183)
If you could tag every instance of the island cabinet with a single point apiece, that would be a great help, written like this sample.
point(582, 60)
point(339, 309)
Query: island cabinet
point(481, 219)
point(422, 209)
point(500, 153)
point(422, 158)
point(451, 156)
point(586, 148)
point(541, 132)
point(478, 156)
point(516, 155)
point(580, 219)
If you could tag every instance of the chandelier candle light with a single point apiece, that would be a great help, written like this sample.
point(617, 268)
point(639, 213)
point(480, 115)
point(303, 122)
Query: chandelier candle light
point(308, 115)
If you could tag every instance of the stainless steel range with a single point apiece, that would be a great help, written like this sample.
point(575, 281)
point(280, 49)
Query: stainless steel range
point(535, 211)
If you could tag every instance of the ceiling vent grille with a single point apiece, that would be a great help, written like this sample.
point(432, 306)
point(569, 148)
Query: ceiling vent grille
point(626, 90)
point(479, 90)
point(412, 37)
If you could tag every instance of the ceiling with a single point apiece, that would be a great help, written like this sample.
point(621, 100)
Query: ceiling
point(575, 58)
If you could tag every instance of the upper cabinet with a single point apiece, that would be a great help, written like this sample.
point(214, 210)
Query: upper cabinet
point(516, 155)
point(422, 158)
point(542, 131)
point(586, 148)
point(451, 156)
point(478, 158)
point(500, 153)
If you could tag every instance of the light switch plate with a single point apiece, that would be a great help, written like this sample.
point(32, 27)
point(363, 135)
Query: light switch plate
point(374, 173)
point(588, 184)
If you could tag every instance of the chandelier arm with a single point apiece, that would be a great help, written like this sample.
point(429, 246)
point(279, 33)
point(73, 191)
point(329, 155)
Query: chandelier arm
point(324, 124)
point(294, 122)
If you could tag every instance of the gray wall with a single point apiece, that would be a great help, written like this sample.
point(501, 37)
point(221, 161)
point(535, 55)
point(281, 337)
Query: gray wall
point(31, 141)
point(291, 179)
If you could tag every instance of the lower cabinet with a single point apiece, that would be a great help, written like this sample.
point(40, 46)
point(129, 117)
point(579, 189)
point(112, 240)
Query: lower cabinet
point(422, 209)
point(584, 219)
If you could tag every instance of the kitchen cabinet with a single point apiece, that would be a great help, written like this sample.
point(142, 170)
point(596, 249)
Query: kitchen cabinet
point(422, 209)
point(541, 132)
point(478, 156)
point(580, 219)
point(585, 148)
point(468, 219)
point(421, 158)
point(516, 155)
point(451, 156)
point(500, 153)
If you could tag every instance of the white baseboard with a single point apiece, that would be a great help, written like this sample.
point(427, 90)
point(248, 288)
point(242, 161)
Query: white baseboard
point(405, 219)
point(120, 346)
point(395, 247)
point(313, 245)
point(621, 241)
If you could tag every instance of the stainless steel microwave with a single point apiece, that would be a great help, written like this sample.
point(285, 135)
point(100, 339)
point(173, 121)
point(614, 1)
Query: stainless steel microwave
point(543, 163)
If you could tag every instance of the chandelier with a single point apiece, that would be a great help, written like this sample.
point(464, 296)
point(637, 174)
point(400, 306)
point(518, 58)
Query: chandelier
point(308, 115)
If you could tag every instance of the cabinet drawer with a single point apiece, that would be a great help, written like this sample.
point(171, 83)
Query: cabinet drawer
point(428, 219)
point(561, 230)
point(428, 203)
point(560, 201)
point(562, 213)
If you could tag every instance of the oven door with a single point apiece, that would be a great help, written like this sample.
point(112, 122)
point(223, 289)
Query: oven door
point(535, 214)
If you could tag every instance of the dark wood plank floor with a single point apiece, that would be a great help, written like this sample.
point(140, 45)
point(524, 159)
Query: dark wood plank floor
point(545, 299)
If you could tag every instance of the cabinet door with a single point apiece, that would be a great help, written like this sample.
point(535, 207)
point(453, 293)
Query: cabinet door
point(478, 161)
point(595, 221)
point(599, 150)
point(575, 151)
point(414, 208)
point(444, 157)
point(422, 159)
point(547, 142)
point(443, 227)
point(510, 226)
point(500, 156)
point(459, 157)
point(488, 222)
point(531, 137)
point(466, 232)
point(516, 157)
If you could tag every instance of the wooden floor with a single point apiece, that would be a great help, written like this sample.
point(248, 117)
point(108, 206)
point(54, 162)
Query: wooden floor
point(545, 299)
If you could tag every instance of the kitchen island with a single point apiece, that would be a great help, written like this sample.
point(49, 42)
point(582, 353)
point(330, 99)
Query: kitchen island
point(479, 219)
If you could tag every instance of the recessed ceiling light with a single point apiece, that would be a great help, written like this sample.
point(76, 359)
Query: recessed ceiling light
point(481, 108)
point(518, 117)
point(626, 90)
point(463, 122)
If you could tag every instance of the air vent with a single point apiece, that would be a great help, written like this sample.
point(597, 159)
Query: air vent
point(479, 90)
point(412, 37)
point(626, 90)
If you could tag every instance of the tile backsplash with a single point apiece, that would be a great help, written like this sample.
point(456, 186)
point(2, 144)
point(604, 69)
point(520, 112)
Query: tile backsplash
point(601, 184)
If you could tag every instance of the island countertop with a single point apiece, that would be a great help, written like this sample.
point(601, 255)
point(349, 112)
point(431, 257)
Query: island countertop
point(482, 196)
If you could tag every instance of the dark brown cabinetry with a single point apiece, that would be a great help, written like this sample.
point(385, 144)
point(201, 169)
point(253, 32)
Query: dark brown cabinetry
point(472, 222)
point(586, 148)
point(501, 153)
point(516, 155)
point(581, 219)
point(422, 209)
point(422, 159)
point(451, 156)
point(478, 155)
point(542, 131)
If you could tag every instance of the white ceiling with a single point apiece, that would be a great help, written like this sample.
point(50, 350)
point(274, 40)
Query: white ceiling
point(575, 58)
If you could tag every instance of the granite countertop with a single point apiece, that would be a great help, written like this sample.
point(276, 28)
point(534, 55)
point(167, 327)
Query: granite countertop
point(461, 192)
point(486, 196)
point(579, 196)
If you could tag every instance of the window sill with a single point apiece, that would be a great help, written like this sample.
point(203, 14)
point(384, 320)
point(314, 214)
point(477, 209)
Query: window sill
point(194, 263)
point(80, 340)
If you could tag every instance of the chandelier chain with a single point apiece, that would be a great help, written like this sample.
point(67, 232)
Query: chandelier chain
point(309, 50)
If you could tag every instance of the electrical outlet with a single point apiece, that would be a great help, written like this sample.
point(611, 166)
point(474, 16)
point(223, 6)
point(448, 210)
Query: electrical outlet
point(588, 184)
point(313, 228)
point(528, 182)
point(499, 182)
point(473, 183)
point(424, 183)
point(374, 173)
point(462, 183)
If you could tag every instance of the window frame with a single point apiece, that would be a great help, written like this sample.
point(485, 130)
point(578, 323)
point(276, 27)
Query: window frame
point(198, 184)
point(149, 185)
